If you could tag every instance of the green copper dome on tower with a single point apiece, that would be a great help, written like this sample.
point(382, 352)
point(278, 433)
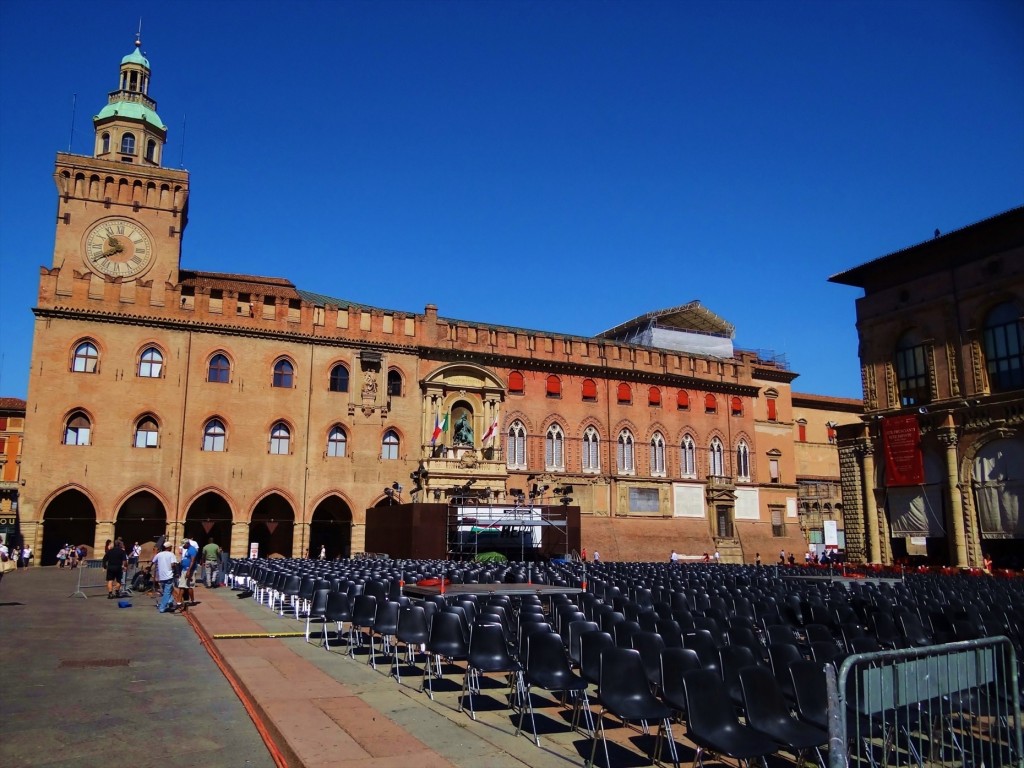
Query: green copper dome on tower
point(136, 57)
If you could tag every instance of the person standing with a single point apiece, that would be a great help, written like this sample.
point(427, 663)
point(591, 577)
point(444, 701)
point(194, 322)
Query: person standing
point(323, 552)
point(163, 574)
point(757, 559)
point(211, 559)
point(674, 557)
point(114, 561)
point(62, 555)
point(134, 555)
point(186, 579)
point(597, 556)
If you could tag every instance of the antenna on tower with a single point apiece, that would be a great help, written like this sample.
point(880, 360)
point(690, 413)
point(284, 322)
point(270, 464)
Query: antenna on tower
point(181, 159)
point(138, 35)
point(71, 138)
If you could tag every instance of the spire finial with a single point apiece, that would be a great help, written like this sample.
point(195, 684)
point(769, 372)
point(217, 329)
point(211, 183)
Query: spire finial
point(138, 35)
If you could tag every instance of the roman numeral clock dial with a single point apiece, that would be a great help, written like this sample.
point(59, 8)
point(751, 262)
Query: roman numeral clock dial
point(118, 247)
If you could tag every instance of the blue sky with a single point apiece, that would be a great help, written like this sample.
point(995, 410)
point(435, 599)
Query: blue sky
point(563, 166)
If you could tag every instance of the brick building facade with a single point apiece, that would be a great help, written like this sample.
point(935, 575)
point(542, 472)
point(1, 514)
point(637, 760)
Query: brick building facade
point(242, 408)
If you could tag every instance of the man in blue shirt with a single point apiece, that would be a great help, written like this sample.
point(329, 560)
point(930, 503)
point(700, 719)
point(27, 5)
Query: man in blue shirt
point(186, 580)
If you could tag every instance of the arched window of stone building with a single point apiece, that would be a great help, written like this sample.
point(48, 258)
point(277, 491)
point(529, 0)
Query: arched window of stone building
point(280, 439)
point(771, 402)
point(516, 383)
point(147, 432)
point(554, 386)
point(128, 144)
point(86, 358)
point(151, 151)
point(515, 453)
point(105, 143)
point(742, 460)
point(554, 449)
point(801, 430)
point(151, 363)
point(683, 400)
point(998, 491)
point(654, 397)
point(913, 379)
point(394, 383)
point(77, 429)
point(389, 445)
point(736, 406)
point(337, 442)
point(1004, 348)
point(214, 436)
point(284, 374)
point(657, 455)
point(716, 458)
point(625, 461)
point(339, 378)
point(624, 394)
point(710, 403)
point(688, 457)
point(589, 391)
point(219, 370)
point(591, 450)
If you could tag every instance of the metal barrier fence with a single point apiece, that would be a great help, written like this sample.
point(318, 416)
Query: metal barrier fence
point(87, 575)
point(945, 705)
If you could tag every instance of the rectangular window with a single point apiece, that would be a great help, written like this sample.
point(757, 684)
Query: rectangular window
point(912, 376)
point(801, 432)
point(778, 524)
point(3, 423)
point(772, 412)
point(773, 470)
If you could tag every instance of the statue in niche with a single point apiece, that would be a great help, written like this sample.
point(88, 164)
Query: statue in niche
point(463, 433)
point(369, 385)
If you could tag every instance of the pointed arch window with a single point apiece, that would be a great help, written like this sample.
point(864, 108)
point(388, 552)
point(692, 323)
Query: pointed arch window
point(147, 433)
point(339, 378)
point(284, 374)
point(219, 370)
point(554, 449)
point(589, 391)
point(214, 436)
point(710, 403)
point(625, 462)
point(742, 460)
point(280, 439)
point(337, 442)
point(394, 383)
point(624, 394)
point(77, 429)
point(654, 397)
point(591, 450)
point(86, 358)
point(128, 144)
point(389, 445)
point(516, 383)
point(1004, 348)
point(657, 455)
point(151, 363)
point(716, 459)
point(688, 457)
point(515, 453)
point(554, 386)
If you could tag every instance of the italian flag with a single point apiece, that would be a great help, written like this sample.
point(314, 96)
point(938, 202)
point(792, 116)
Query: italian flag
point(439, 427)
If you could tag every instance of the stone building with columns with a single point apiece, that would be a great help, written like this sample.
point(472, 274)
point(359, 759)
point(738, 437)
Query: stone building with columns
point(936, 465)
point(270, 418)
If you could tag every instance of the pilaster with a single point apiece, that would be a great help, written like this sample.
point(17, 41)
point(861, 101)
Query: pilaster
point(958, 538)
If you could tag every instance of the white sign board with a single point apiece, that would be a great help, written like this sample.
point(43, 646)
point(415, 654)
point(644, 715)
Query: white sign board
point(254, 549)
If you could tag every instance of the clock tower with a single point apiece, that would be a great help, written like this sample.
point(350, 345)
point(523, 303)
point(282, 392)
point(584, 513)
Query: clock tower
point(120, 214)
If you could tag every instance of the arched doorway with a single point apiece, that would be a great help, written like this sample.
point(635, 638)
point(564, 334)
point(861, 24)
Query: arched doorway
point(331, 527)
point(272, 526)
point(141, 518)
point(209, 517)
point(69, 519)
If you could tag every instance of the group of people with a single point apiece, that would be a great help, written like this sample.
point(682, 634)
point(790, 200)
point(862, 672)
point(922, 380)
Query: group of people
point(176, 576)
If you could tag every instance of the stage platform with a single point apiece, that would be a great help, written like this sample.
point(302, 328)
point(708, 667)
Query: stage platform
point(512, 590)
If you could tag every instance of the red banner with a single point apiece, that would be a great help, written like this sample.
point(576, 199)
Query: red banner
point(901, 441)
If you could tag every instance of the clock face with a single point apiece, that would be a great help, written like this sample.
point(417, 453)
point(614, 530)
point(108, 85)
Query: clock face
point(118, 247)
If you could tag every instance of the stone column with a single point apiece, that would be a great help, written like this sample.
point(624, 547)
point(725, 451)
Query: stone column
point(239, 540)
point(300, 541)
point(872, 549)
point(104, 531)
point(32, 533)
point(957, 532)
point(358, 539)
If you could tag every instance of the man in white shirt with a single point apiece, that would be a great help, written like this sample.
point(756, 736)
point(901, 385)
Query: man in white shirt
point(163, 574)
point(674, 558)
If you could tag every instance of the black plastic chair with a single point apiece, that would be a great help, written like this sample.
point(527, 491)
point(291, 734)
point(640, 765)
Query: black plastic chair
point(781, 656)
point(675, 663)
point(700, 640)
point(445, 642)
point(338, 610)
point(623, 691)
point(411, 632)
point(488, 652)
point(623, 633)
point(712, 724)
point(592, 644)
point(733, 660)
point(768, 712)
point(364, 611)
point(577, 628)
point(547, 667)
point(317, 608)
point(385, 624)
point(650, 645)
